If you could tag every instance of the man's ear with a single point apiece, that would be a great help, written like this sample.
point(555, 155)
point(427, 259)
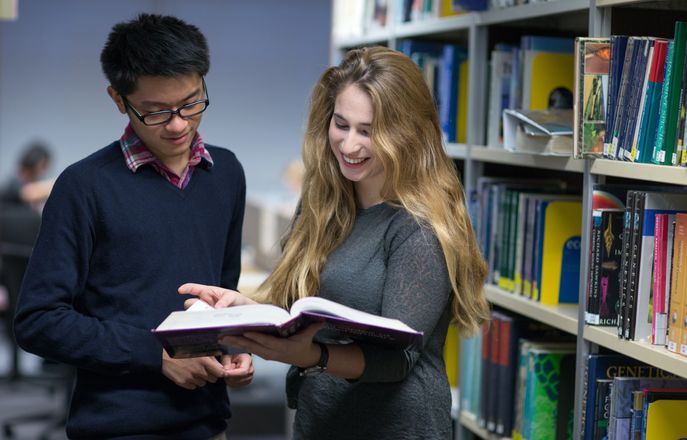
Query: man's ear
point(117, 98)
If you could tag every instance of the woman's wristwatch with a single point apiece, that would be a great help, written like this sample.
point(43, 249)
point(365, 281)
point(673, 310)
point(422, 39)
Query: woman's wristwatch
point(321, 365)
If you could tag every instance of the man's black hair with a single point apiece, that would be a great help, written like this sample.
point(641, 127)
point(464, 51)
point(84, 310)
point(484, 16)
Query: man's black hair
point(153, 45)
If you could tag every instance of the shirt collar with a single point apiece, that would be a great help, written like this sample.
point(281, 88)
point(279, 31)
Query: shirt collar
point(136, 154)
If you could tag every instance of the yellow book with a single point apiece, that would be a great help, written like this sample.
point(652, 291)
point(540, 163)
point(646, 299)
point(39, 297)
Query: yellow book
point(462, 125)
point(663, 419)
point(452, 355)
point(446, 9)
point(560, 267)
point(544, 74)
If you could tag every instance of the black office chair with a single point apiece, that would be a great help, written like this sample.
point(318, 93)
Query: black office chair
point(19, 227)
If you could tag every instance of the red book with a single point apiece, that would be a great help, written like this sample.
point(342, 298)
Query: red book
point(659, 322)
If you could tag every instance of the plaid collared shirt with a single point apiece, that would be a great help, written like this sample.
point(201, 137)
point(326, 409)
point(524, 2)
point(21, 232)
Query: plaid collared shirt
point(137, 154)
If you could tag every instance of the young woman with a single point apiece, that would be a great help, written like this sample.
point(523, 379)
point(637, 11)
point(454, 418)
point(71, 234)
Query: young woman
point(382, 226)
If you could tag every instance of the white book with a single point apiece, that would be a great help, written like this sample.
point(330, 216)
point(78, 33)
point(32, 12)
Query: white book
point(197, 333)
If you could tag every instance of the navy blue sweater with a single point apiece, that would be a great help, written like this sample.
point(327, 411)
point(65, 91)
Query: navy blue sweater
point(114, 246)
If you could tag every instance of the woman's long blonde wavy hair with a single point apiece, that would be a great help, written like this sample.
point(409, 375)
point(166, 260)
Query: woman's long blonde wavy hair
point(419, 176)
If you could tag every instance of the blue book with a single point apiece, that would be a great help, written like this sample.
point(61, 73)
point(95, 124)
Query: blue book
point(618, 46)
point(624, 91)
point(547, 44)
point(645, 46)
point(409, 47)
point(637, 414)
point(451, 58)
point(470, 5)
point(540, 212)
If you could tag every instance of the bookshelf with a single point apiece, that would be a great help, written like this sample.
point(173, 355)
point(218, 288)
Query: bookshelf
point(478, 31)
point(499, 155)
point(469, 421)
point(457, 151)
point(639, 171)
point(561, 316)
point(652, 354)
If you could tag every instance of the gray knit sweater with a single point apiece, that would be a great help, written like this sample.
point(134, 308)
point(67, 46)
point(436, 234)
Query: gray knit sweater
point(389, 266)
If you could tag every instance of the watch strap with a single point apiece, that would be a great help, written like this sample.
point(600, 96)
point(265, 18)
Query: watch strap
point(321, 365)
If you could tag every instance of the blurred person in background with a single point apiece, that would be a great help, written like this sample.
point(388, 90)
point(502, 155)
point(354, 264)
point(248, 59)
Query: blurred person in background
point(29, 186)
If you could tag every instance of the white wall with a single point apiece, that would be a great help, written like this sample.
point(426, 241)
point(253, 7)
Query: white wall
point(265, 57)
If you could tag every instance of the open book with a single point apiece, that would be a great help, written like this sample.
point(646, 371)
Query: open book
point(538, 131)
point(196, 333)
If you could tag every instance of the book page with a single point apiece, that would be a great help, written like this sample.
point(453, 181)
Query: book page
point(231, 316)
point(324, 306)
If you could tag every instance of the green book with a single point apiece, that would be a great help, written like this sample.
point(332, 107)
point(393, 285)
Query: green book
point(657, 154)
point(668, 156)
point(548, 407)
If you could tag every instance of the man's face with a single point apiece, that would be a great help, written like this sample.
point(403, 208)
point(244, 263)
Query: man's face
point(170, 142)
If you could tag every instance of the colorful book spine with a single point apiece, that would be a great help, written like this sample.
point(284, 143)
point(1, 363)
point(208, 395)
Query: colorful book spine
point(633, 275)
point(658, 154)
point(592, 308)
point(623, 93)
point(448, 83)
point(633, 141)
point(636, 87)
point(649, 123)
point(637, 415)
point(618, 48)
point(659, 322)
point(625, 262)
point(678, 285)
point(602, 407)
point(609, 265)
point(673, 107)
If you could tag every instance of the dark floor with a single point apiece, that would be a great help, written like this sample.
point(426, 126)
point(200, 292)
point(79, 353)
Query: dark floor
point(259, 409)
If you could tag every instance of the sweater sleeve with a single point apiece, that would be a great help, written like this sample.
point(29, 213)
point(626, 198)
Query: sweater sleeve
point(416, 291)
point(47, 321)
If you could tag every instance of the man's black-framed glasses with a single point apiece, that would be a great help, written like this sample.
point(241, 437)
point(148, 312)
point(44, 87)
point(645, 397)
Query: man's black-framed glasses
point(164, 116)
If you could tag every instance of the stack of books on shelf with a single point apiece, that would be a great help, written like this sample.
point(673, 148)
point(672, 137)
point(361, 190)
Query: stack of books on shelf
point(630, 98)
point(408, 11)
point(516, 380)
point(531, 79)
point(445, 68)
point(627, 399)
point(356, 18)
point(515, 375)
point(500, 4)
point(638, 265)
point(530, 233)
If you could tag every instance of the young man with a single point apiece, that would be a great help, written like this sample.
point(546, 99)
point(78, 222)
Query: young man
point(122, 229)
